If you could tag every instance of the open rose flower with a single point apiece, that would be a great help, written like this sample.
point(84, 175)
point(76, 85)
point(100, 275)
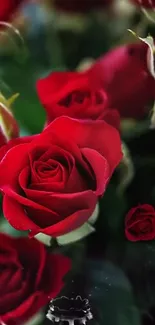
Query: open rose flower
point(8, 125)
point(124, 75)
point(77, 95)
point(140, 223)
point(8, 8)
point(29, 278)
point(78, 6)
point(52, 183)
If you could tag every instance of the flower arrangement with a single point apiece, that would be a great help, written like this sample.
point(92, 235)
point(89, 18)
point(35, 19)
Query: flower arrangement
point(77, 162)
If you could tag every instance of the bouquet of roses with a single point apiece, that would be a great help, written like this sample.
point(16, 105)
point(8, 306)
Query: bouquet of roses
point(77, 166)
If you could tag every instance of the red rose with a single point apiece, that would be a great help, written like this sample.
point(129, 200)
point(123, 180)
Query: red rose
point(52, 184)
point(8, 8)
point(77, 95)
point(148, 4)
point(124, 75)
point(78, 6)
point(29, 278)
point(140, 223)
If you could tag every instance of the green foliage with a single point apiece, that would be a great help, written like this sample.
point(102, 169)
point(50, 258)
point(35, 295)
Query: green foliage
point(111, 294)
point(113, 208)
point(139, 264)
point(21, 78)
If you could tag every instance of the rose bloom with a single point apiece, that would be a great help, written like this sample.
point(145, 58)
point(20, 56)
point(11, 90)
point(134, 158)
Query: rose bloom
point(8, 8)
point(140, 223)
point(124, 76)
point(29, 278)
point(76, 95)
point(78, 6)
point(51, 182)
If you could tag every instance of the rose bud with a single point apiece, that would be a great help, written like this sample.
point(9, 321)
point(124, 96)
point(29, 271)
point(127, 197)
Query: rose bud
point(30, 277)
point(125, 75)
point(8, 125)
point(140, 223)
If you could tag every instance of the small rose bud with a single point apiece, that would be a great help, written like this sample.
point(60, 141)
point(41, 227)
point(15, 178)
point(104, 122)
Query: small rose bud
point(8, 125)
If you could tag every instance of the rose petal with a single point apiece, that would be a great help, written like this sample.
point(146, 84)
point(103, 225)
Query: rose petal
point(100, 168)
point(96, 135)
point(79, 208)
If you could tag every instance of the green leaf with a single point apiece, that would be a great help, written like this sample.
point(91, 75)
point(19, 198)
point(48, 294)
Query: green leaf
point(139, 263)
point(113, 208)
point(21, 79)
point(111, 294)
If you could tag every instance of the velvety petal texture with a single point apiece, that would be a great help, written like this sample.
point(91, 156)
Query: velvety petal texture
point(77, 95)
point(140, 223)
point(56, 177)
point(29, 278)
point(125, 77)
point(120, 80)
